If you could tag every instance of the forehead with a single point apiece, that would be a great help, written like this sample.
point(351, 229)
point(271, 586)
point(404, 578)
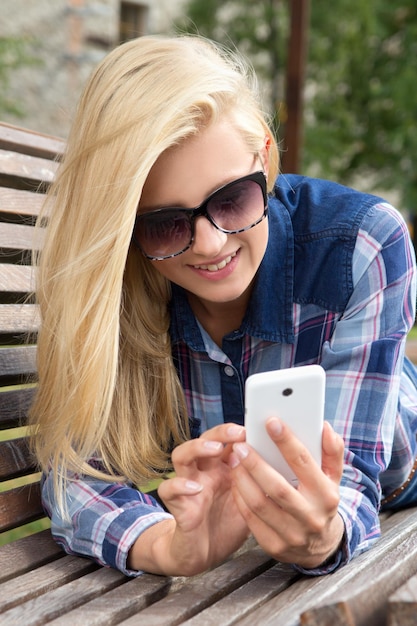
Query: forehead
point(186, 174)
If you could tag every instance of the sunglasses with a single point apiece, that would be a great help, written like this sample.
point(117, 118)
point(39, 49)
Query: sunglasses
point(233, 208)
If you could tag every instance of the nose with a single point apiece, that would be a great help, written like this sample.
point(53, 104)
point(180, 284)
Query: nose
point(208, 240)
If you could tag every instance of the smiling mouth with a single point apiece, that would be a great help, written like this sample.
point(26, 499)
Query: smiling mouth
point(216, 268)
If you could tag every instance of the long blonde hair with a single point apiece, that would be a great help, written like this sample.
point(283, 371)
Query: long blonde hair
point(107, 384)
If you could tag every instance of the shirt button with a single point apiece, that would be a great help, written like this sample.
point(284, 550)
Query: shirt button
point(228, 370)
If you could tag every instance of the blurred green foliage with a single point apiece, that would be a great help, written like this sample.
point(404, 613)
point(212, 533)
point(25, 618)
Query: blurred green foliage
point(361, 119)
point(14, 53)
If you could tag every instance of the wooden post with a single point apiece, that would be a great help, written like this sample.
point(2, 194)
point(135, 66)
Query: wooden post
point(297, 54)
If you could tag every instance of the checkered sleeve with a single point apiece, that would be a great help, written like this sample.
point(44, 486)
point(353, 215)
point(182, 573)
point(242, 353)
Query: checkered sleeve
point(103, 520)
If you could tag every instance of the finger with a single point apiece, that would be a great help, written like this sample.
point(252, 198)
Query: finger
point(332, 453)
point(185, 457)
point(313, 481)
point(171, 489)
point(182, 498)
point(226, 433)
point(270, 536)
point(295, 453)
point(255, 478)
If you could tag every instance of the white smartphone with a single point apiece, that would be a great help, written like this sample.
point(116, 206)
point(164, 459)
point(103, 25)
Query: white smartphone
point(296, 396)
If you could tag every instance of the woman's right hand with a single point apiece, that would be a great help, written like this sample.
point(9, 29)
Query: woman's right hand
point(207, 525)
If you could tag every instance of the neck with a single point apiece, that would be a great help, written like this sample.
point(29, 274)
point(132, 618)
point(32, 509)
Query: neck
point(219, 318)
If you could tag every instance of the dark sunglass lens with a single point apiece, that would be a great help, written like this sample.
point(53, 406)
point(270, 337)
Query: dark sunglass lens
point(161, 234)
point(237, 206)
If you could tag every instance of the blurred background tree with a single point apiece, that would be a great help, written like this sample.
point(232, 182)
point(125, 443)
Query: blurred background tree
point(361, 78)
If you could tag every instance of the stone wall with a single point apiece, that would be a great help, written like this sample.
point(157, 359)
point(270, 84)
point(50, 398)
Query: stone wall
point(65, 45)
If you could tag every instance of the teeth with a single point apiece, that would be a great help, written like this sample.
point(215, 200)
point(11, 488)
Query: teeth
point(216, 268)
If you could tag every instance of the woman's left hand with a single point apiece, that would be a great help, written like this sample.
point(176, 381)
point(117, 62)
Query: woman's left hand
point(301, 525)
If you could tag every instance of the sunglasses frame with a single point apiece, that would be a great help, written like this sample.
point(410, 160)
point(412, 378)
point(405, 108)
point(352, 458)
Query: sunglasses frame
point(201, 211)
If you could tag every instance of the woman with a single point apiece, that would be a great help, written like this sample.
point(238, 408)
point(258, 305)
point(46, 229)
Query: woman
point(168, 276)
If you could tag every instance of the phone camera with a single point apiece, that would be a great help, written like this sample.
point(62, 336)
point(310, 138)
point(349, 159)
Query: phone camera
point(287, 391)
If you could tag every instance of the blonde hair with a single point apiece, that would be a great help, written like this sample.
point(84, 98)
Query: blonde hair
point(107, 383)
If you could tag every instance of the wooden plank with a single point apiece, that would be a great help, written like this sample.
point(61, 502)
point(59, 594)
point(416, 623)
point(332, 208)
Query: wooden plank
point(14, 406)
point(17, 278)
point(28, 553)
point(19, 318)
point(15, 459)
point(118, 604)
point(247, 598)
point(20, 506)
point(23, 589)
point(31, 169)
point(52, 604)
point(20, 202)
point(20, 237)
point(18, 360)
point(201, 591)
point(364, 584)
point(402, 605)
point(30, 142)
point(405, 615)
point(336, 614)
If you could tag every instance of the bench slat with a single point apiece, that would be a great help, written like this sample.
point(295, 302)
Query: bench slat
point(25, 554)
point(20, 202)
point(43, 579)
point(24, 168)
point(30, 142)
point(15, 459)
point(20, 506)
point(17, 278)
point(20, 237)
point(402, 605)
point(19, 318)
point(14, 406)
point(339, 614)
point(18, 360)
point(236, 605)
point(118, 604)
point(44, 608)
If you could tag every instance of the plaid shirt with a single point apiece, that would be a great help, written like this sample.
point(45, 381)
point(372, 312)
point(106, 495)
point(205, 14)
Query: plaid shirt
point(336, 287)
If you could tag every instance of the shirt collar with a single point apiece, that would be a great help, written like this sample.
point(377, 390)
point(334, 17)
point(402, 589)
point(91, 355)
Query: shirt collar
point(269, 315)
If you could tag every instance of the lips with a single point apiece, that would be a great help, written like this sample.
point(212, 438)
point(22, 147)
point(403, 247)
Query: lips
point(216, 267)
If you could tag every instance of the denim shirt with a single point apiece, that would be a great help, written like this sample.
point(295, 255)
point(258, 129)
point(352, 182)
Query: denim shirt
point(336, 287)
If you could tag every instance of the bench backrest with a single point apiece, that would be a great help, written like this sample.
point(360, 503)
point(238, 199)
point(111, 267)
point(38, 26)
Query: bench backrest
point(28, 162)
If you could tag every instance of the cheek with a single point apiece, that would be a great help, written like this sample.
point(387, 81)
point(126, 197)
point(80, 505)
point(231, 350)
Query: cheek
point(170, 268)
point(259, 240)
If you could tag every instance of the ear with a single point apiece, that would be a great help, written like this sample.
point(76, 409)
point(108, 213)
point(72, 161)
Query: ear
point(264, 154)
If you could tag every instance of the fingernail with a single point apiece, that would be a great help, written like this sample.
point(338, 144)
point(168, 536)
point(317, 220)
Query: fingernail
point(213, 445)
point(241, 450)
point(234, 430)
point(233, 461)
point(275, 426)
point(191, 485)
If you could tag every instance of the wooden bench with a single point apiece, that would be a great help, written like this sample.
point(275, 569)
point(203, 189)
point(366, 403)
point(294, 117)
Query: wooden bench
point(40, 584)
